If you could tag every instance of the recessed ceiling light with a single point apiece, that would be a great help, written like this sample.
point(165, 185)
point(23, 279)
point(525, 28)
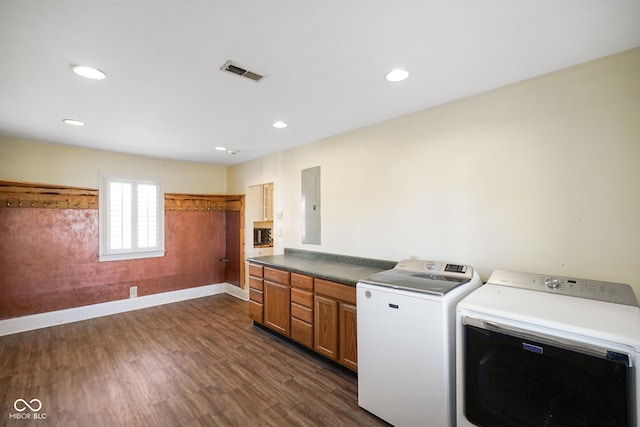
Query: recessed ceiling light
point(73, 122)
point(397, 75)
point(88, 72)
point(280, 125)
point(221, 148)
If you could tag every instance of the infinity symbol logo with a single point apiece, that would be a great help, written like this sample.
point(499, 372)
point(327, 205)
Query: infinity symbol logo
point(26, 405)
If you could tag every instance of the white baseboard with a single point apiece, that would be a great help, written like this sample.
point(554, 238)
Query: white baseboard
point(59, 317)
point(237, 292)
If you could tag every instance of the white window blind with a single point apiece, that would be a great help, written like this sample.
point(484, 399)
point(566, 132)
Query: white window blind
point(147, 216)
point(131, 218)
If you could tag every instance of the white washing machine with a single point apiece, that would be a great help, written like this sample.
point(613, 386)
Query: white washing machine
point(538, 350)
point(406, 342)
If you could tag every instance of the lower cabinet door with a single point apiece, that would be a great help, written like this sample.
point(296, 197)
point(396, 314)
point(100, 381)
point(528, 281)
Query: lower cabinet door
point(277, 307)
point(325, 326)
point(348, 325)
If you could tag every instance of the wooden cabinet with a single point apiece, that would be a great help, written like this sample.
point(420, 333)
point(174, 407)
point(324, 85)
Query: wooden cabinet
point(302, 309)
point(335, 322)
point(316, 313)
point(260, 199)
point(267, 202)
point(348, 333)
point(326, 327)
point(256, 293)
point(277, 300)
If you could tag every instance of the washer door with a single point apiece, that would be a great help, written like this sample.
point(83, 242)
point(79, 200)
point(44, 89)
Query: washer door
point(514, 378)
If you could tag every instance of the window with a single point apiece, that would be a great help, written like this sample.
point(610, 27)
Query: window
point(131, 218)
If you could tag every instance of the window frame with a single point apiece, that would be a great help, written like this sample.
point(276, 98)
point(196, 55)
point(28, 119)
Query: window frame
point(106, 254)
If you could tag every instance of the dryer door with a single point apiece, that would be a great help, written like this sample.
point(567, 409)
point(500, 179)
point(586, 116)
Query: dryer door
point(518, 378)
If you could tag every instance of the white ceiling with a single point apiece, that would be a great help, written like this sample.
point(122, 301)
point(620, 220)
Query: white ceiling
point(165, 95)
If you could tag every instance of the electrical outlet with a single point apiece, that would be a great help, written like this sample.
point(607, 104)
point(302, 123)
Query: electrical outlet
point(133, 292)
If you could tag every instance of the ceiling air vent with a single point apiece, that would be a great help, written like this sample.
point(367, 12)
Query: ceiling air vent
point(241, 71)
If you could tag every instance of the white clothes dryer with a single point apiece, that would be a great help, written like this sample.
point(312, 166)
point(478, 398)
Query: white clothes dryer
point(539, 350)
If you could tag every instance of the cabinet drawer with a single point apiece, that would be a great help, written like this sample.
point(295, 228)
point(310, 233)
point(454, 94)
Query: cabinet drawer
point(336, 290)
point(256, 284)
point(302, 297)
point(256, 296)
point(256, 312)
point(301, 281)
point(301, 313)
point(277, 276)
point(302, 332)
point(255, 270)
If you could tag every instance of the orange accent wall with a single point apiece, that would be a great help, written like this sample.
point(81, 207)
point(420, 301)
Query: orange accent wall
point(49, 259)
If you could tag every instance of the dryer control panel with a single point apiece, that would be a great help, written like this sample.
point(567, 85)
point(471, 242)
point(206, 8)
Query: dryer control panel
point(618, 293)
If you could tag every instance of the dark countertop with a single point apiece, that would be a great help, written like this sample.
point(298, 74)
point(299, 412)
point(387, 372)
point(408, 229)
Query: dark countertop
point(337, 268)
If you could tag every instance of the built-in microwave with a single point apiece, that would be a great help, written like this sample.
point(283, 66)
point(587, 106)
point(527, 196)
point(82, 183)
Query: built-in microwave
point(261, 236)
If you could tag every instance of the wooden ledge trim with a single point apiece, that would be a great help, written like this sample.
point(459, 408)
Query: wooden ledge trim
point(33, 195)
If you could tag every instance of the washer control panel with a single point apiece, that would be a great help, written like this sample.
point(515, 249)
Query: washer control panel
point(435, 268)
point(618, 293)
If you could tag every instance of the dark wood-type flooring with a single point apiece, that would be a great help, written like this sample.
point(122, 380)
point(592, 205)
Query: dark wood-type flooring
point(193, 363)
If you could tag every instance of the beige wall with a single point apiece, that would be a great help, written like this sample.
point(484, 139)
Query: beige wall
point(540, 176)
point(62, 165)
